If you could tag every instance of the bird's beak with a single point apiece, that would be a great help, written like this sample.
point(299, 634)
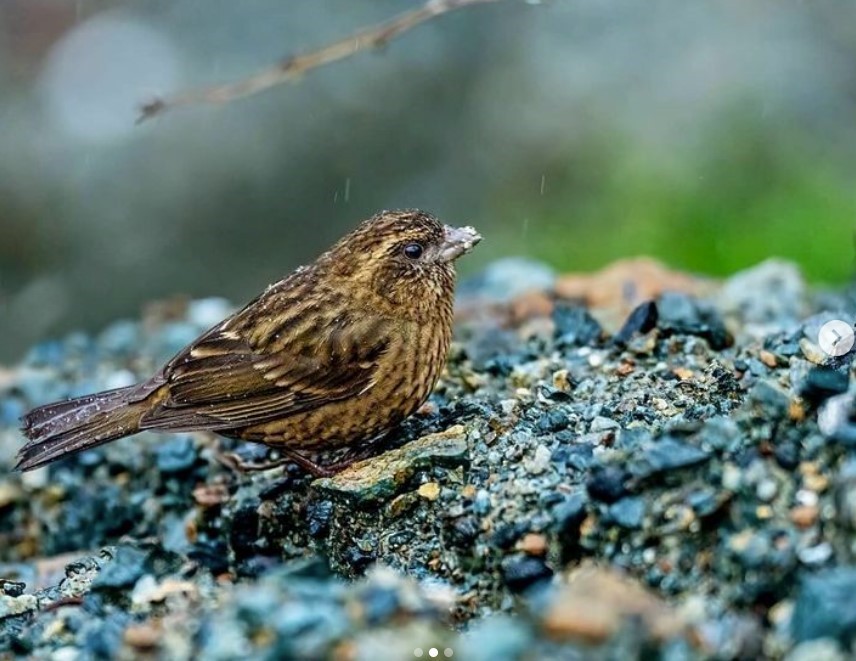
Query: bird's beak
point(457, 241)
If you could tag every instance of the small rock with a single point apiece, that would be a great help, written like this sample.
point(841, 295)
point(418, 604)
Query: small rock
point(768, 358)
point(834, 419)
point(380, 478)
point(430, 491)
point(596, 602)
point(804, 516)
point(175, 455)
point(125, 568)
point(17, 605)
point(642, 320)
point(822, 649)
point(821, 383)
point(533, 544)
point(575, 327)
point(668, 454)
point(772, 293)
point(552, 421)
point(495, 638)
point(602, 424)
point(628, 512)
point(684, 315)
point(540, 462)
point(816, 555)
point(812, 352)
point(607, 484)
point(825, 607)
point(521, 572)
point(568, 516)
point(464, 531)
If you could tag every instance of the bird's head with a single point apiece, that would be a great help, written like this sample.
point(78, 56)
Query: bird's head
point(405, 257)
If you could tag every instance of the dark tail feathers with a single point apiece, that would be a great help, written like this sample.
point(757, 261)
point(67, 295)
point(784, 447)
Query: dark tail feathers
point(65, 428)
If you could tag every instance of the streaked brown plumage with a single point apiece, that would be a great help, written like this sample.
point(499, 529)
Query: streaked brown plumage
point(334, 354)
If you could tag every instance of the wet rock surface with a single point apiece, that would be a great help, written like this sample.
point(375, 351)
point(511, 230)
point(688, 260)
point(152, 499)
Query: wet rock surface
point(619, 465)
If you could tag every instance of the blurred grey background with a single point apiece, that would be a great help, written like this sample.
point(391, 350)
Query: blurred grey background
point(710, 134)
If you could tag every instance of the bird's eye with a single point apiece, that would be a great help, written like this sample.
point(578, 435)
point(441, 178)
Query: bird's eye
point(413, 250)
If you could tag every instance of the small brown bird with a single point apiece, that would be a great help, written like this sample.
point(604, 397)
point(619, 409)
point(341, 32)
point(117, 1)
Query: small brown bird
point(330, 357)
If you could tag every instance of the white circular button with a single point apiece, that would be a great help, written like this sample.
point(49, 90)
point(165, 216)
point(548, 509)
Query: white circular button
point(836, 337)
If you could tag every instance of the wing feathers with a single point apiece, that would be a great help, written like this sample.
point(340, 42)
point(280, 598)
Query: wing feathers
point(227, 379)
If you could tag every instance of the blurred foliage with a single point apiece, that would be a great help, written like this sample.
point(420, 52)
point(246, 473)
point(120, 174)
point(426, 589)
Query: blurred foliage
point(747, 191)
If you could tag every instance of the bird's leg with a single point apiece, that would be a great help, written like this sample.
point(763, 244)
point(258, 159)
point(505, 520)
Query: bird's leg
point(351, 459)
point(233, 461)
point(308, 465)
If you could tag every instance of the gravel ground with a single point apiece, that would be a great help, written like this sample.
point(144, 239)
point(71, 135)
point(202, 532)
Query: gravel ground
point(633, 463)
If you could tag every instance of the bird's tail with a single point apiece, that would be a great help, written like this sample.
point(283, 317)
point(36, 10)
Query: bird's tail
point(65, 428)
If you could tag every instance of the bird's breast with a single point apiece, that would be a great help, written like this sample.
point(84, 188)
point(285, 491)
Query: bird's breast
point(406, 373)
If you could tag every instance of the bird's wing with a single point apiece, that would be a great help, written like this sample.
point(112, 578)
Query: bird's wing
point(236, 375)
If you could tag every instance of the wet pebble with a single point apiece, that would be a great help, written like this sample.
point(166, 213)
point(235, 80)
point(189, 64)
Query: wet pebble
point(825, 607)
point(522, 572)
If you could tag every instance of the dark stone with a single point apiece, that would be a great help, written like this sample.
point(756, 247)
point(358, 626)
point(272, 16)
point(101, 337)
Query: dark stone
point(123, 571)
point(568, 516)
point(507, 534)
point(211, 553)
point(104, 637)
point(681, 314)
point(580, 457)
point(825, 606)
point(244, 527)
point(668, 454)
point(787, 454)
point(12, 588)
point(552, 421)
point(641, 320)
point(550, 499)
point(490, 351)
point(607, 483)
point(463, 531)
point(357, 559)
point(316, 568)
point(575, 327)
point(628, 512)
point(278, 487)
point(94, 516)
point(521, 572)
point(319, 514)
point(175, 455)
point(256, 565)
point(821, 383)
point(704, 502)
point(768, 400)
point(500, 365)
point(379, 604)
point(557, 395)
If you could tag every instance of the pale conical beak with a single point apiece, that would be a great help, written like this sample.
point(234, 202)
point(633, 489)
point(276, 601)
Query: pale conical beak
point(457, 241)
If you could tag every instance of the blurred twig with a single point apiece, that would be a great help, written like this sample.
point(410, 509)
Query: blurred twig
point(292, 68)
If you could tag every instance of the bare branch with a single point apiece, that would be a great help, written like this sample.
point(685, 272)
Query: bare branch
point(290, 69)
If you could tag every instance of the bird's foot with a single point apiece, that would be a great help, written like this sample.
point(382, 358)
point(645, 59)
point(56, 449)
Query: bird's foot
point(234, 462)
point(316, 470)
point(239, 465)
point(327, 470)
